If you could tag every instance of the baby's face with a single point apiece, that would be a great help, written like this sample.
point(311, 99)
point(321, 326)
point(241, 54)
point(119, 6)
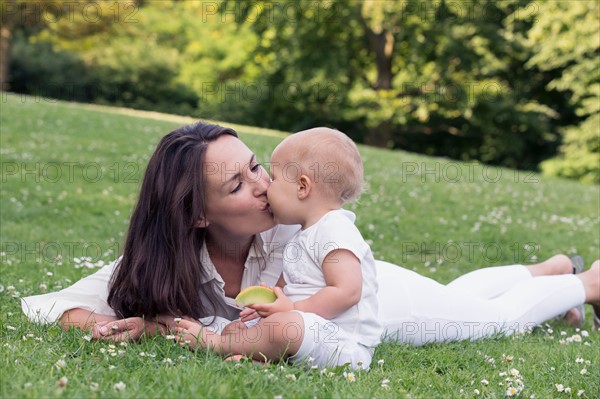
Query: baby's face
point(282, 192)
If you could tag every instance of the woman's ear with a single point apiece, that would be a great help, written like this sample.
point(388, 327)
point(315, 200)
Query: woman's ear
point(304, 187)
point(202, 222)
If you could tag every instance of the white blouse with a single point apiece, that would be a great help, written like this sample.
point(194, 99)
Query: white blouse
point(263, 264)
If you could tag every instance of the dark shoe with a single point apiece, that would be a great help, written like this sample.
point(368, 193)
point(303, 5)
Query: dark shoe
point(579, 267)
point(596, 325)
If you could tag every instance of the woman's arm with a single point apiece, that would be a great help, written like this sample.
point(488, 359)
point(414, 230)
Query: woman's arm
point(109, 327)
point(85, 302)
point(82, 319)
point(129, 329)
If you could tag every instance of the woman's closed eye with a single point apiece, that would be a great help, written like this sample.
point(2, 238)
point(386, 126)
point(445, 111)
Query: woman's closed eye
point(237, 188)
point(253, 169)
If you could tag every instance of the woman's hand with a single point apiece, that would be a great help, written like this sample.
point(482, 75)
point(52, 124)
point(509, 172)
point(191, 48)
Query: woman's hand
point(130, 329)
point(281, 304)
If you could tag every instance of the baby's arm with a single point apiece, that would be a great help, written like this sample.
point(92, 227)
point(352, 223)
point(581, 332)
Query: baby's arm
point(342, 272)
point(343, 276)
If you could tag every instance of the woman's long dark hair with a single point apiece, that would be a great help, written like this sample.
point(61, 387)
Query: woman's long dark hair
point(161, 270)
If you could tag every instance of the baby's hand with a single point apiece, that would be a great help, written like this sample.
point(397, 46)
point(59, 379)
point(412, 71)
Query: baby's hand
point(186, 331)
point(189, 333)
point(248, 314)
point(281, 304)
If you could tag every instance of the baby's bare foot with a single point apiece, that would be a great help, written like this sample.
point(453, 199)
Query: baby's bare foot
point(595, 282)
point(242, 358)
point(235, 358)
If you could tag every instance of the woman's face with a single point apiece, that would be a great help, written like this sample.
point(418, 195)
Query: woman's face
point(236, 195)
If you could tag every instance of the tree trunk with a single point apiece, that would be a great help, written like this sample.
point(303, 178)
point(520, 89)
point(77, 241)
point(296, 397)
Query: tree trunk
point(9, 16)
point(381, 135)
point(382, 44)
point(6, 35)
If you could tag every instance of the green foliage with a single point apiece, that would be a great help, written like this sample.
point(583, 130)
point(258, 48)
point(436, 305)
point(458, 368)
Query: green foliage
point(39, 69)
point(113, 60)
point(417, 212)
point(565, 38)
point(496, 82)
point(580, 153)
point(142, 77)
point(431, 78)
point(301, 66)
point(216, 62)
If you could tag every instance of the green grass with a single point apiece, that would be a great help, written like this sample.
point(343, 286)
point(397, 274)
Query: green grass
point(70, 176)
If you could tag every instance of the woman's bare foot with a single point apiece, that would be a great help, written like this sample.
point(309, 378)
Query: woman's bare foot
point(576, 316)
point(591, 282)
point(558, 264)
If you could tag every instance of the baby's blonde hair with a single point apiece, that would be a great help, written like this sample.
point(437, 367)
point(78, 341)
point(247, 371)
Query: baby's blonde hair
point(330, 158)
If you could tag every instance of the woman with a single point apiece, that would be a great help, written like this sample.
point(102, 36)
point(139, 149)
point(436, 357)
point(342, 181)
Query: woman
point(201, 231)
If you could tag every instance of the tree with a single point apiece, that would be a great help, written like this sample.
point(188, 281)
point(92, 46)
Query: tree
point(36, 16)
point(16, 14)
point(6, 31)
point(429, 77)
point(499, 82)
point(120, 55)
point(566, 39)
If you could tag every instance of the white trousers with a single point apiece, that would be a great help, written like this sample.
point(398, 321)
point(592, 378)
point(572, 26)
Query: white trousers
point(486, 302)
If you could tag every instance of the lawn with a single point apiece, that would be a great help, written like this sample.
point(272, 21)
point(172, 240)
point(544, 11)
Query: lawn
point(71, 174)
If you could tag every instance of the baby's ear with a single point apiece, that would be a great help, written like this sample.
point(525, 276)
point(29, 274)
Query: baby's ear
point(304, 187)
point(202, 222)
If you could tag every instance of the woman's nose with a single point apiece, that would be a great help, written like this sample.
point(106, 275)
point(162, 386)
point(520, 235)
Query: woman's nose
point(262, 182)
